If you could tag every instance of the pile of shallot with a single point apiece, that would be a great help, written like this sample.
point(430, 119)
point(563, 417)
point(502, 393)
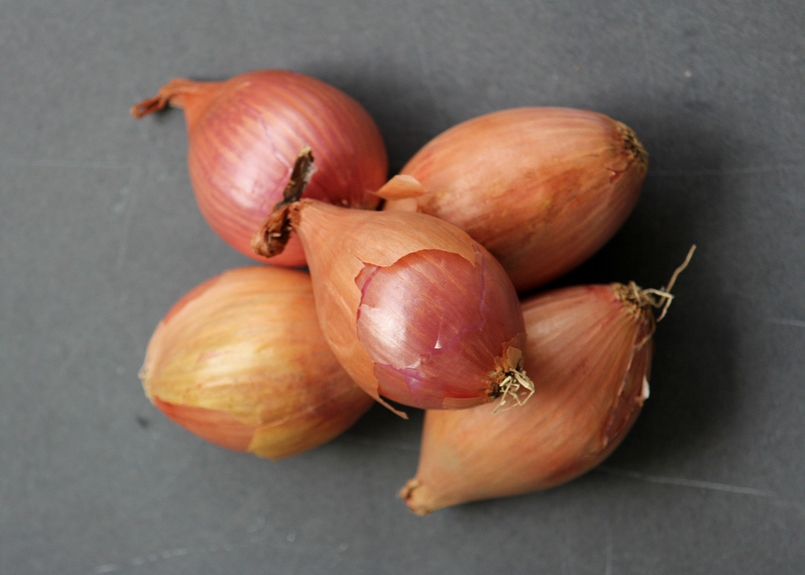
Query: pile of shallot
point(419, 291)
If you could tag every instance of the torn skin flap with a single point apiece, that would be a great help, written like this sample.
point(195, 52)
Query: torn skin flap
point(400, 187)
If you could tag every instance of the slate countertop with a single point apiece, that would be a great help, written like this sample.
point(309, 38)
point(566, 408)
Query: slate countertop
point(99, 235)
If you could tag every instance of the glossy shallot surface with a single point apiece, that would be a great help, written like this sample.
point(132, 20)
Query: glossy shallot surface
point(416, 311)
point(589, 352)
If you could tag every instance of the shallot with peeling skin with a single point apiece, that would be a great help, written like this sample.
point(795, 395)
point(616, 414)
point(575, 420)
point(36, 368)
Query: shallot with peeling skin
point(241, 362)
point(243, 137)
point(541, 188)
point(591, 347)
point(416, 311)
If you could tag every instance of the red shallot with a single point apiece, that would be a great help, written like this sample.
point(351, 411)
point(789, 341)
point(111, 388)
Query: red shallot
point(244, 135)
point(590, 348)
point(416, 311)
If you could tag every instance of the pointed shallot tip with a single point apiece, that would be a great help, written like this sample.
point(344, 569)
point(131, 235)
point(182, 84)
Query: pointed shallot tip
point(407, 495)
point(148, 106)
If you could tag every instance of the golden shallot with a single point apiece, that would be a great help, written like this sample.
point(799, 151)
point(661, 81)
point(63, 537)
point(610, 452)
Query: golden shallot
point(241, 362)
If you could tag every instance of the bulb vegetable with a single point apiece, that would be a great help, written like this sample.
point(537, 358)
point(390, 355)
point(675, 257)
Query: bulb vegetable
point(541, 188)
point(241, 361)
point(416, 311)
point(244, 135)
point(591, 348)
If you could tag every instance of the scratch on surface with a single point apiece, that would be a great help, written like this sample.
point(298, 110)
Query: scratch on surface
point(682, 482)
point(257, 534)
point(128, 201)
point(608, 569)
point(787, 321)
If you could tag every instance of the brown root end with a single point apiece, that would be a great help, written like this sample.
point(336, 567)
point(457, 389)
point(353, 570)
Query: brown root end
point(514, 389)
point(633, 145)
point(635, 298)
point(640, 300)
point(510, 382)
point(408, 495)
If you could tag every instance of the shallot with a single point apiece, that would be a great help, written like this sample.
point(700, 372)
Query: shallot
point(541, 188)
point(241, 362)
point(591, 348)
point(416, 311)
point(244, 134)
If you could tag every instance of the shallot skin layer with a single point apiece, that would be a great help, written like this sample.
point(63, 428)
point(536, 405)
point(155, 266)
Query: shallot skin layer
point(541, 188)
point(241, 362)
point(589, 351)
point(244, 135)
point(417, 312)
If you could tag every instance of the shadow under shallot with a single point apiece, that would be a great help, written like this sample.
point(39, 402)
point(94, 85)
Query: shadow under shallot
point(693, 384)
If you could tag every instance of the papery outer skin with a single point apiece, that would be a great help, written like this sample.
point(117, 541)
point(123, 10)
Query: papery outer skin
point(541, 188)
point(341, 245)
point(244, 135)
point(589, 355)
point(426, 330)
point(241, 361)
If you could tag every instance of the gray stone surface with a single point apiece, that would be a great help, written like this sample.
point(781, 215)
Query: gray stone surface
point(99, 235)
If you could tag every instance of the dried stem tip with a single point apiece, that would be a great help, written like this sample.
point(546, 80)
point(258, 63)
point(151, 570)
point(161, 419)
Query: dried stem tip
point(275, 232)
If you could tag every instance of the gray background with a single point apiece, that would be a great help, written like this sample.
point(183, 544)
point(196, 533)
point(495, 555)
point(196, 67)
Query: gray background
point(99, 235)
